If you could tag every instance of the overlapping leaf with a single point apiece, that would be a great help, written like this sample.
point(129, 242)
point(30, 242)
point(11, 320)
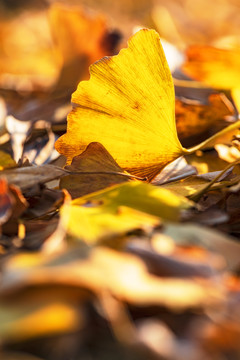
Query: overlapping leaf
point(121, 208)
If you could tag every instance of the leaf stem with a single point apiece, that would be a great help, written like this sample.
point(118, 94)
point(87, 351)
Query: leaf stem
point(190, 83)
point(210, 142)
point(198, 194)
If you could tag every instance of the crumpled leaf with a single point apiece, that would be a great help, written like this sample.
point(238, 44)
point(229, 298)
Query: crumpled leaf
point(93, 160)
point(128, 106)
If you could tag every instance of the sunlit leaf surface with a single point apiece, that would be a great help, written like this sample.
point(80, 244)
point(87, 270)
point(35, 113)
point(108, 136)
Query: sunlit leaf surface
point(121, 208)
point(128, 106)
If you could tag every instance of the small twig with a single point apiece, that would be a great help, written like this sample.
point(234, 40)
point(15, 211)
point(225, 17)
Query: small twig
point(197, 195)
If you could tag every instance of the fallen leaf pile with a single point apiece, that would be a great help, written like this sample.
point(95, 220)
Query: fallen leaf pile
point(119, 210)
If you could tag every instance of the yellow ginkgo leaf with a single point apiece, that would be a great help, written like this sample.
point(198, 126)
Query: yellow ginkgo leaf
point(128, 107)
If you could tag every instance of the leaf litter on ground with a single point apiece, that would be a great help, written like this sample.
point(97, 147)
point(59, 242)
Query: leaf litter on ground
point(126, 268)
